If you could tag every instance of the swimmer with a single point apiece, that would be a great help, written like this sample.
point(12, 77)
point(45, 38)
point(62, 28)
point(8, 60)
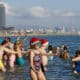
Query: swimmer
point(50, 48)
point(65, 54)
point(57, 51)
point(18, 46)
point(21, 42)
point(19, 57)
point(76, 63)
point(8, 51)
point(5, 55)
point(43, 48)
point(36, 60)
point(12, 57)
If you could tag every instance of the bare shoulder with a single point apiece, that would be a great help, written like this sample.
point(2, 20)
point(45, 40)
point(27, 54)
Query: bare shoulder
point(2, 47)
point(42, 51)
point(32, 52)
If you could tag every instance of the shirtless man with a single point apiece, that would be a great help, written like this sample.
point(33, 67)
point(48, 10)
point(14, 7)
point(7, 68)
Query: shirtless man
point(44, 43)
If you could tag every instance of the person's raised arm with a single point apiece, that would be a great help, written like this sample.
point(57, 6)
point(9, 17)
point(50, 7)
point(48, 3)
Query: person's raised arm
point(25, 52)
point(76, 59)
point(23, 40)
point(18, 38)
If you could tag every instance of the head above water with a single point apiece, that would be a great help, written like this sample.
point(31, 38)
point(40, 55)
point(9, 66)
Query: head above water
point(8, 39)
point(77, 53)
point(65, 48)
point(35, 43)
point(4, 43)
point(18, 44)
point(44, 42)
point(50, 47)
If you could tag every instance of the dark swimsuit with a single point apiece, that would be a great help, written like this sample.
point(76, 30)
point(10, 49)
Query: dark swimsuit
point(42, 68)
point(77, 67)
point(37, 60)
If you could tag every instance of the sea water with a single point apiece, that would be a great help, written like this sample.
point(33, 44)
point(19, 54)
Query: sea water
point(58, 69)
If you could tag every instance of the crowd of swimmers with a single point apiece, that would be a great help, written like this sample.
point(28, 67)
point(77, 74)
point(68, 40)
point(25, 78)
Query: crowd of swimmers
point(11, 54)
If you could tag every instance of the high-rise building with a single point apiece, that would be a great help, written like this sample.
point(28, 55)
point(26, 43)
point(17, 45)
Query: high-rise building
point(63, 29)
point(2, 16)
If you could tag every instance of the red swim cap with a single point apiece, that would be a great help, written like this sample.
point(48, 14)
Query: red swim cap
point(44, 42)
point(34, 40)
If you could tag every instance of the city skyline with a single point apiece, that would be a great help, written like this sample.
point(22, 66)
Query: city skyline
point(43, 12)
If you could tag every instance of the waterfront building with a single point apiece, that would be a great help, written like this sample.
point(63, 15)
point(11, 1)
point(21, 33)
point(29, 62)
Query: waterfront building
point(49, 31)
point(63, 30)
point(2, 16)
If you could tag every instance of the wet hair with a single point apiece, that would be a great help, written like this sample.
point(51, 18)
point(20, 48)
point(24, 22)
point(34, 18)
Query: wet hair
point(32, 46)
point(15, 46)
point(8, 39)
point(65, 48)
point(50, 47)
point(4, 42)
point(77, 53)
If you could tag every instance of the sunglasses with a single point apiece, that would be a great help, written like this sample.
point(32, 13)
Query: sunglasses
point(39, 44)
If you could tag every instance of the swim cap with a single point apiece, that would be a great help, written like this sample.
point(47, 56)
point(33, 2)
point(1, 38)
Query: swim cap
point(44, 42)
point(34, 41)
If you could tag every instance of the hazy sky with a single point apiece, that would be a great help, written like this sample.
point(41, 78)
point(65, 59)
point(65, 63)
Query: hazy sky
point(42, 12)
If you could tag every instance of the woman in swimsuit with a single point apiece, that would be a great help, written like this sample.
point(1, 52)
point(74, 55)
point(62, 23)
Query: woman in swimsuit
point(18, 46)
point(35, 60)
point(19, 56)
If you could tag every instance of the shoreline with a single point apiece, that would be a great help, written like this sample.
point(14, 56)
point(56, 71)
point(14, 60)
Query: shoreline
point(13, 33)
point(9, 35)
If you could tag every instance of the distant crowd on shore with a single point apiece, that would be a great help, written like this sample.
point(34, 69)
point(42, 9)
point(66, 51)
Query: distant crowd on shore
point(12, 54)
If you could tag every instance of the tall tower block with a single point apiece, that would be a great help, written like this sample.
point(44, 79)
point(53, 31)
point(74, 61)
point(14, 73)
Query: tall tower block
point(2, 16)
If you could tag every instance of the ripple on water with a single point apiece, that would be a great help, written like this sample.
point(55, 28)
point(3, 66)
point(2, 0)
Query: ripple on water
point(58, 69)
